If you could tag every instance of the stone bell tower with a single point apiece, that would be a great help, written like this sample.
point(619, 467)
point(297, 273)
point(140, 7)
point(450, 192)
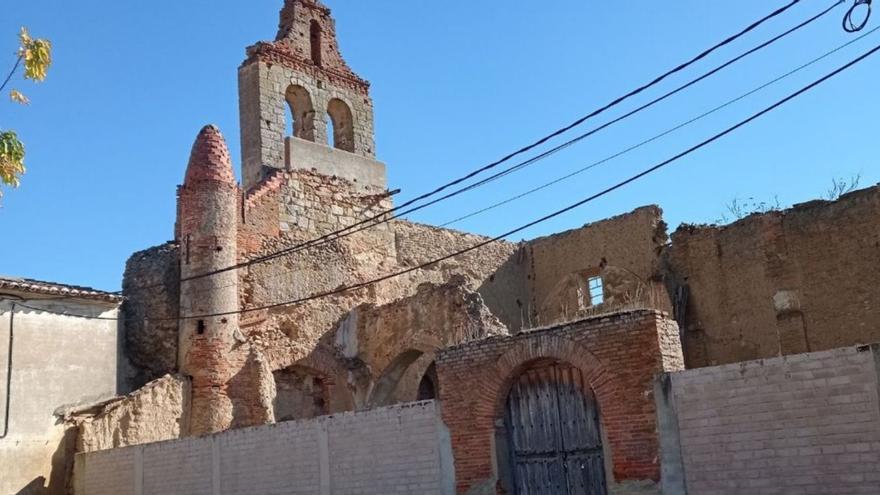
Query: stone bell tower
point(207, 230)
point(302, 74)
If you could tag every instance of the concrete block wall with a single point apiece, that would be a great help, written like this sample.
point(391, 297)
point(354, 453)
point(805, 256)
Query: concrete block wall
point(808, 423)
point(401, 449)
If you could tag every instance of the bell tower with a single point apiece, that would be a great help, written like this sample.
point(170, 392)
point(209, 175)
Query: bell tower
point(302, 74)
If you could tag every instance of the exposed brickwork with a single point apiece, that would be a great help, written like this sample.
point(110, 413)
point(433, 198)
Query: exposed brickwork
point(208, 225)
point(619, 356)
point(784, 282)
point(805, 424)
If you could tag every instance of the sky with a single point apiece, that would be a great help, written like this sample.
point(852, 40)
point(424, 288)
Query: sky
point(456, 85)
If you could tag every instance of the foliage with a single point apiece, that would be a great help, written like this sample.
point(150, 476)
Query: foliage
point(738, 209)
point(841, 186)
point(11, 158)
point(36, 56)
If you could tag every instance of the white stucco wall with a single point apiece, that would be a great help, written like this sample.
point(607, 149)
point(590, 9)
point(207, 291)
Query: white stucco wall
point(56, 361)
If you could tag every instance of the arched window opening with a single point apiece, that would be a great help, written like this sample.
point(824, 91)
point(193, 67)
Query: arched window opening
point(315, 42)
point(428, 387)
point(411, 376)
point(343, 125)
point(562, 451)
point(301, 113)
point(300, 393)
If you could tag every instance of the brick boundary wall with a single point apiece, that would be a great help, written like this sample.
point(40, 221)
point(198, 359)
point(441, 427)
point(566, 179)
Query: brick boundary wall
point(401, 449)
point(801, 424)
point(619, 355)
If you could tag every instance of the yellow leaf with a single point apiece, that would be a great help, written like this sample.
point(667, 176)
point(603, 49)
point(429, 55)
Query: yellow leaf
point(37, 56)
point(17, 97)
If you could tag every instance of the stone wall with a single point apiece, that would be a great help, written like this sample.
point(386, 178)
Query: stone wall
point(152, 288)
point(618, 354)
point(799, 280)
point(403, 449)
point(805, 424)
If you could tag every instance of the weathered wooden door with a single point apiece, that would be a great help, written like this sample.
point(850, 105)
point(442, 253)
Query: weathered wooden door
point(553, 433)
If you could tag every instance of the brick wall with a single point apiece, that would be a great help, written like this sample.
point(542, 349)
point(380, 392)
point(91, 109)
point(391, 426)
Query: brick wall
point(801, 424)
point(788, 282)
point(618, 354)
point(401, 449)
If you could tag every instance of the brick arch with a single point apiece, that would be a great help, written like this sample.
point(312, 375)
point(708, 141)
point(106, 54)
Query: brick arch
point(516, 360)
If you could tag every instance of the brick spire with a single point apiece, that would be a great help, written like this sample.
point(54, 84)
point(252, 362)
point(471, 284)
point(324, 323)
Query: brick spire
point(209, 160)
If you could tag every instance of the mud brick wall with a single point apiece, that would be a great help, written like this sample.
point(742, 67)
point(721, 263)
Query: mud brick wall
point(782, 283)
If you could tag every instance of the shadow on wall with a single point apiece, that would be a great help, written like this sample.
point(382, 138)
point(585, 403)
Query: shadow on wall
point(61, 477)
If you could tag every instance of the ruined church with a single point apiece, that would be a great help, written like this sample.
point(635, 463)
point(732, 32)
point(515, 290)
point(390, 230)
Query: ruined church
point(261, 357)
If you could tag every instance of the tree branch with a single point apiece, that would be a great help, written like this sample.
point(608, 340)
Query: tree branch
point(11, 73)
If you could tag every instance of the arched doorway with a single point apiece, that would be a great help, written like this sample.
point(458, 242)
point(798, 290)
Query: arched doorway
point(553, 438)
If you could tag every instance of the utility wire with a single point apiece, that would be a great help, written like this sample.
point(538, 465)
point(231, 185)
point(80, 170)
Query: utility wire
point(333, 236)
point(386, 216)
point(661, 135)
point(543, 219)
point(557, 213)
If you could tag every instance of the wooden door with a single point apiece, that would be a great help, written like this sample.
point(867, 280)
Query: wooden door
point(553, 433)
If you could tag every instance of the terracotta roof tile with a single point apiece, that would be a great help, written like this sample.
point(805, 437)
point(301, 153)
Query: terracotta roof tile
point(56, 289)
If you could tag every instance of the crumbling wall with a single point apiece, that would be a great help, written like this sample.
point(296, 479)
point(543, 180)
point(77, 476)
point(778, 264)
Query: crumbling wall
point(803, 279)
point(389, 348)
point(152, 289)
point(625, 251)
point(158, 411)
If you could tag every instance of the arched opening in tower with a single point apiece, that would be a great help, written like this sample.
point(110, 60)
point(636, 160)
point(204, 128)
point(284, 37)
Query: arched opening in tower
point(343, 125)
point(301, 113)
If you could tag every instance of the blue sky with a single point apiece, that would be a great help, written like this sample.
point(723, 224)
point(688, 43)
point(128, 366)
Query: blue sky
point(456, 84)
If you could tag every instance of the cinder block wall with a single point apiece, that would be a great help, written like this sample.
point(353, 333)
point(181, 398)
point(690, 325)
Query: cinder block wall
point(808, 423)
point(402, 449)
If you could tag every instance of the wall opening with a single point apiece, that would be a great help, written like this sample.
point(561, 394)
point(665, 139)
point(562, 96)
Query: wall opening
point(411, 376)
point(300, 393)
point(315, 36)
point(551, 441)
point(597, 290)
point(301, 112)
point(343, 125)
point(429, 386)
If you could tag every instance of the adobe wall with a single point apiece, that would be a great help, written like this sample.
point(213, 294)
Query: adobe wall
point(158, 411)
point(619, 356)
point(624, 250)
point(403, 449)
point(807, 423)
point(799, 280)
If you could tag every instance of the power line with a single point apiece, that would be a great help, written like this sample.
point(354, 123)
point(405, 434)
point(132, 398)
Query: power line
point(659, 136)
point(557, 213)
point(386, 216)
point(543, 219)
